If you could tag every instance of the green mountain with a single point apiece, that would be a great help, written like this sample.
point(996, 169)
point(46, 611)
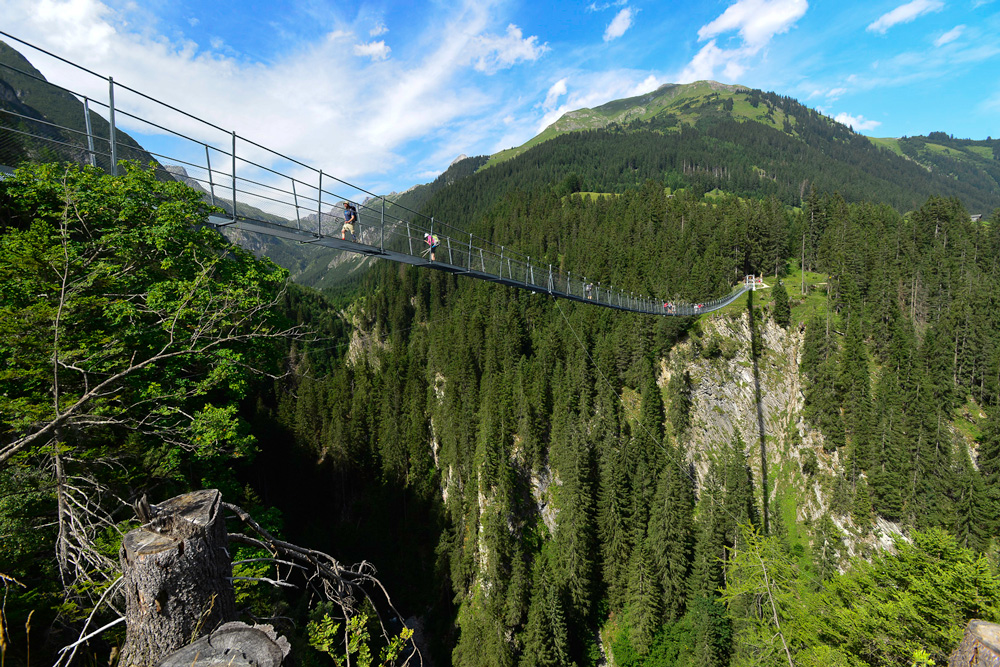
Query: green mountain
point(710, 135)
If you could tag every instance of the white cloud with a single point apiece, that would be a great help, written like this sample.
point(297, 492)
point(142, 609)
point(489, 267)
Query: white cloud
point(295, 102)
point(991, 104)
point(492, 53)
point(591, 90)
point(904, 14)
point(619, 24)
point(647, 85)
point(950, 36)
point(711, 58)
point(595, 7)
point(374, 50)
point(756, 20)
point(557, 90)
point(859, 123)
point(378, 30)
point(834, 94)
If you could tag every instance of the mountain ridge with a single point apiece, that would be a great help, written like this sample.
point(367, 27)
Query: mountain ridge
point(672, 108)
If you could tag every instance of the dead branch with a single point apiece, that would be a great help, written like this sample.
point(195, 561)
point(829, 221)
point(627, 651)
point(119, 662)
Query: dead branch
point(325, 575)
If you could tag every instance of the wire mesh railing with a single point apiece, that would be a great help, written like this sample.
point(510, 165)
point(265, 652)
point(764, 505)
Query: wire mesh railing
point(255, 184)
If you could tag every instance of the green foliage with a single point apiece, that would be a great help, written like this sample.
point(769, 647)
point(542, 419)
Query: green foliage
point(919, 598)
point(913, 604)
point(353, 646)
point(775, 616)
point(144, 316)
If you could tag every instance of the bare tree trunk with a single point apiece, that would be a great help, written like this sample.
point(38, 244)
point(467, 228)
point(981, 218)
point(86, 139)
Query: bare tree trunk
point(176, 576)
point(232, 645)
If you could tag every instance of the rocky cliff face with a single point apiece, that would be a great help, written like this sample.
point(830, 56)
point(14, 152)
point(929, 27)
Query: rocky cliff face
point(724, 401)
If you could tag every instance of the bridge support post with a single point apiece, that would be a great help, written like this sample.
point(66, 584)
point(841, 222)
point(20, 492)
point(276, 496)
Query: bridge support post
point(112, 135)
point(92, 157)
point(319, 198)
point(211, 183)
point(234, 175)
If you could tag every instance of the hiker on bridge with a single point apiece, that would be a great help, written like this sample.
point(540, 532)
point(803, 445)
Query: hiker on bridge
point(350, 218)
point(432, 242)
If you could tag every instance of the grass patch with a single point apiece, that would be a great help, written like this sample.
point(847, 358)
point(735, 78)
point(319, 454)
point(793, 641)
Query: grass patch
point(938, 148)
point(968, 420)
point(888, 143)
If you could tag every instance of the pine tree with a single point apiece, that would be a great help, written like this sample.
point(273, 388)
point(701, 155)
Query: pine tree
point(819, 363)
point(546, 636)
point(575, 535)
point(827, 547)
point(989, 467)
point(972, 518)
point(887, 471)
point(671, 534)
point(614, 519)
point(710, 547)
point(782, 312)
point(643, 598)
point(854, 386)
point(740, 505)
point(679, 390)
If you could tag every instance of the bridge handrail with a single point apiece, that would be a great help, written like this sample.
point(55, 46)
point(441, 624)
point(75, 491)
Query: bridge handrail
point(459, 251)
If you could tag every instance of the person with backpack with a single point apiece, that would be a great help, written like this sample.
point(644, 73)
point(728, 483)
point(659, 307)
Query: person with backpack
point(432, 242)
point(350, 218)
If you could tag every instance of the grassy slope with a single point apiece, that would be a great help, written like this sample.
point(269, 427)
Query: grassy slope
point(688, 103)
point(682, 99)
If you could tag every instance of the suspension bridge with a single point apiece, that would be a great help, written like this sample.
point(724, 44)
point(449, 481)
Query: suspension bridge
point(265, 192)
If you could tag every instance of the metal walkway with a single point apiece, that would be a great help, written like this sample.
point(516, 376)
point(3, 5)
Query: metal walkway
point(265, 192)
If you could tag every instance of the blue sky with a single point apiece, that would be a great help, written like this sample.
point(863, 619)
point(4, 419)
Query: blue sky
point(388, 93)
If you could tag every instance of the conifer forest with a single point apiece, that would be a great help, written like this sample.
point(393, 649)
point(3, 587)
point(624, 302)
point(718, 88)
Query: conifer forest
point(808, 477)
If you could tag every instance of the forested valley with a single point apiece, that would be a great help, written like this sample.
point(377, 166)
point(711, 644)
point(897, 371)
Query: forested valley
point(537, 482)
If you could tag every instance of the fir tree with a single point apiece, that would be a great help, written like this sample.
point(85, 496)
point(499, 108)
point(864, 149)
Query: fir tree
point(679, 390)
point(972, 518)
point(827, 547)
point(887, 472)
point(671, 534)
point(989, 464)
point(614, 520)
point(643, 598)
point(546, 636)
point(854, 387)
point(782, 312)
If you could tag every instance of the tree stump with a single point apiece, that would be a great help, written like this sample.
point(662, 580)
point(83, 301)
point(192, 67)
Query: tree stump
point(177, 577)
point(979, 648)
point(232, 645)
